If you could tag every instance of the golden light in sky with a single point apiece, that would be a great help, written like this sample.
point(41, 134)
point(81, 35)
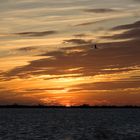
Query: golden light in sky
point(47, 53)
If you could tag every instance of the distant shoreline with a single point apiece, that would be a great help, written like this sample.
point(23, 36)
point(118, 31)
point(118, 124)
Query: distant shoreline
point(81, 106)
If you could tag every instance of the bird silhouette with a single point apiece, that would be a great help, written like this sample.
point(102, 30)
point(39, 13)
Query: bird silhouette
point(95, 46)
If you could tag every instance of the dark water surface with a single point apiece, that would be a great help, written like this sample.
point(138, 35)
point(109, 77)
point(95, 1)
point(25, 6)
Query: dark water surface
point(69, 124)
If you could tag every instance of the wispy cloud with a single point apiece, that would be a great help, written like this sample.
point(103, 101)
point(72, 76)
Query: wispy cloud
point(131, 31)
point(26, 49)
point(101, 10)
point(113, 85)
point(127, 26)
point(43, 89)
point(78, 41)
point(11, 97)
point(101, 19)
point(137, 0)
point(131, 34)
point(81, 35)
point(60, 62)
point(91, 22)
point(37, 34)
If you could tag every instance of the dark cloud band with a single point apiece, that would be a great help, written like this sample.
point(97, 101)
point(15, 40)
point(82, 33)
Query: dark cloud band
point(36, 34)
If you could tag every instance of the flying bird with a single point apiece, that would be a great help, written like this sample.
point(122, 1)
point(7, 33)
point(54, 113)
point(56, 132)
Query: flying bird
point(94, 46)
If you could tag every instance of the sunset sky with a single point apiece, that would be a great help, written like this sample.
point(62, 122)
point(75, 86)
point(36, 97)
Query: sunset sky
point(47, 53)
